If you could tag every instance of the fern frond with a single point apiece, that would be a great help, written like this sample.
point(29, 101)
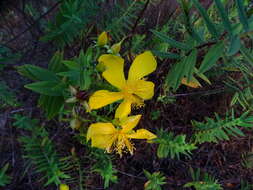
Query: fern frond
point(104, 167)
point(7, 96)
point(214, 130)
point(4, 178)
point(121, 18)
point(203, 182)
point(155, 180)
point(71, 20)
point(172, 146)
point(41, 153)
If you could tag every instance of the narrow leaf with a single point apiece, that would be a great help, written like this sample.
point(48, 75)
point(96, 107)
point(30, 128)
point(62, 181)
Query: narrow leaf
point(234, 46)
point(224, 16)
point(171, 41)
point(49, 88)
point(211, 57)
point(242, 14)
point(210, 25)
point(37, 73)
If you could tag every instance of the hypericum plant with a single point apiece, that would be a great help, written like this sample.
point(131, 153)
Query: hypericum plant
point(172, 146)
point(155, 180)
point(71, 21)
point(133, 91)
point(104, 167)
point(50, 86)
point(217, 40)
point(7, 96)
point(203, 182)
point(217, 129)
point(40, 151)
point(109, 137)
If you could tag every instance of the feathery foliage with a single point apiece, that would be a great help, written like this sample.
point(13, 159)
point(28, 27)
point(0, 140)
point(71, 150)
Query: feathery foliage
point(4, 178)
point(203, 182)
point(7, 97)
point(172, 146)
point(214, 130)
point(7, 57)
point(121, 17)
point(155, 180)
point(104, 167)
point(40, 151)
point(221, 39)
point(72, 19)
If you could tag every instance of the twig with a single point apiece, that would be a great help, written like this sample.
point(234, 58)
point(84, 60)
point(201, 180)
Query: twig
point(35, 23)
point(130, 175)
point(139, 17)
point(135, 26)
point(216, 91)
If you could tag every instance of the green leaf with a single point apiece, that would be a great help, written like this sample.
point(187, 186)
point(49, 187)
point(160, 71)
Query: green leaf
point(72, 65)
point(242, 14)
point(4, 178)
point(202, 76)
point(51, 105)
point(224, 16)
point(172, 146)
point(7, 96)
point(210, 25)
point(55, 63)
point(37, 73)
point(86, 71)
point(23, 122)
point(184, 68)
point(186, 7)
point(49, 88)
point(171, 41)
point(234, 46)
point(211, 57)
point(248, 55)
point(190, 64)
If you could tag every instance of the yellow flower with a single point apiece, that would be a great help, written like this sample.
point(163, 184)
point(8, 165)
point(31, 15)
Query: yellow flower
point(64, 187)
point(106, 136)
point(102, 39)
point(133, 91)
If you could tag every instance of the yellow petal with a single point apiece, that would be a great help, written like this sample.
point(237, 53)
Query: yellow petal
point(194, 83)
point(143, 65)
point(102, 98)
point(102, 141)
point(114, 69)
point(102, 39)
point(101, 135)
point(144, 89)
point(129, 123)
point(124, 109)
point(142, 134)
point(100, 129)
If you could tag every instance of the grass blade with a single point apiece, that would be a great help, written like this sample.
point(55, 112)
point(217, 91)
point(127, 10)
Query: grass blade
point(171, 41)
point(210, 25)
point(242, 14)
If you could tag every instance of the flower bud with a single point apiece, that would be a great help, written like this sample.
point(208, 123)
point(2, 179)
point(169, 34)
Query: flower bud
point(64, 187)
point(75, 123)
point(116, 48)
point(102, 39)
